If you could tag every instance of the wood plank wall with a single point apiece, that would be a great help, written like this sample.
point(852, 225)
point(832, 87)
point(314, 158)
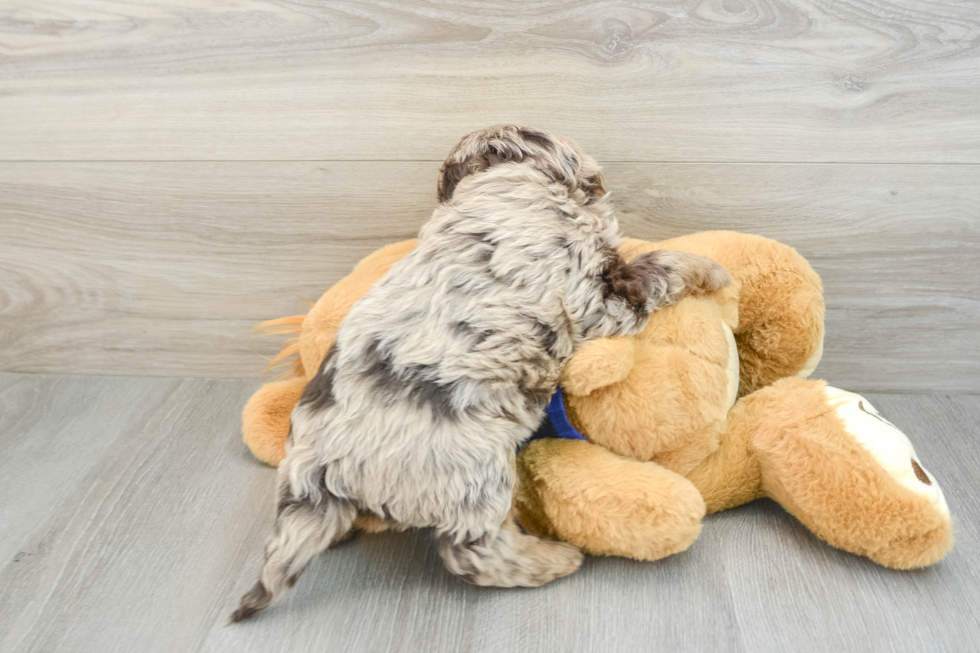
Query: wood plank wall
point(173, 171)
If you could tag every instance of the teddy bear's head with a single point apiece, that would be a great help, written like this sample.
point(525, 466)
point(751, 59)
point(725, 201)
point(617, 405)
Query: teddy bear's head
point(664, 394)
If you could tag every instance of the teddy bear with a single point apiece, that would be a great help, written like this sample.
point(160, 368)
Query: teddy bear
point(708, 408)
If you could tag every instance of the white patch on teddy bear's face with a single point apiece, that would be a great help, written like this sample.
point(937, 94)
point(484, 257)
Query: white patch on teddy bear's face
point(890, 447)
point(733, 369)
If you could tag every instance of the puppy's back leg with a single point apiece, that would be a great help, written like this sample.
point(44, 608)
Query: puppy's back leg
point(305, 525)
point(506, 557)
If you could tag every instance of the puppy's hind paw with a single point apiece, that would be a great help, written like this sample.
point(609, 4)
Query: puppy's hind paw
point(565, 558)
point(545, 560)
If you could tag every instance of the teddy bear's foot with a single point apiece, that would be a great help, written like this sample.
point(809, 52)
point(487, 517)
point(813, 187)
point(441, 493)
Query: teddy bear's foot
point(853, 478)
point(265, 419)
point(603, 503)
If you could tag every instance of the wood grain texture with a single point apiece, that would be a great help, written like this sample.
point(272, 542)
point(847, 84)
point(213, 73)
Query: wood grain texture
point(144, 538)
point(163, 268)
point(671, 80)
point(897, 248)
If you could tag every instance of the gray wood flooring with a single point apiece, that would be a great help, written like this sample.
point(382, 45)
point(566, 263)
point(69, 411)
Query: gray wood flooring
point(132, 518)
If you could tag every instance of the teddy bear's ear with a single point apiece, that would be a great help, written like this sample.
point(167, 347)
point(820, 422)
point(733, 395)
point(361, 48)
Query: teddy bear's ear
point(598, 364)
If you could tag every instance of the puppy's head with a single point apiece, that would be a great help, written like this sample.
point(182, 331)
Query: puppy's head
point(559, 159)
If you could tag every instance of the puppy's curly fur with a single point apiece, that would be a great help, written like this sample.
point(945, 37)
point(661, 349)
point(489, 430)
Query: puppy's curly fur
point(446, 365)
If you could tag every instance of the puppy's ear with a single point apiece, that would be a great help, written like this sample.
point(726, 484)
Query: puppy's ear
point(484, 148)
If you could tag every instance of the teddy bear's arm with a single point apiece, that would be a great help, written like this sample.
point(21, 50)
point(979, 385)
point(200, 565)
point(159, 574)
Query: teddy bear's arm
point(604, 503)
point(731, 475)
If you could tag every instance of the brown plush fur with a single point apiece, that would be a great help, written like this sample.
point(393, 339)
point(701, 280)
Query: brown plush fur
point(731, 475)
point(265, 419)
point(675, 389)
point(780, 307)
point(676, 386)
point(665, 446)
point(575, 491)
point(850, 503)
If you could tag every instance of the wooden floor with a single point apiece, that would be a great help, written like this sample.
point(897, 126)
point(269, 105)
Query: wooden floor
point(133, 518)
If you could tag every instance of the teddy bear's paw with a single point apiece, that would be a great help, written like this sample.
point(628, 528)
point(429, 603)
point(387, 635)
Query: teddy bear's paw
point(890, 447)
point(265, 418)
point(606, 504)
point(598, 364)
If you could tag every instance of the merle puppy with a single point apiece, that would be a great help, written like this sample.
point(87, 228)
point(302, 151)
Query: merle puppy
point(446, 365)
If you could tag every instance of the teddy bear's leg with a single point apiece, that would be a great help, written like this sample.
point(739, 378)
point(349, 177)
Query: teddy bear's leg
point(603, 503)
point(265, 419)
point(731, 476)
point(849, 475)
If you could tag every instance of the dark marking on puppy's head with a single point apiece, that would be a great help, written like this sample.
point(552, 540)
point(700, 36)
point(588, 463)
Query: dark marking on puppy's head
point(559, 159)
point(535, 137)
point(318, 394)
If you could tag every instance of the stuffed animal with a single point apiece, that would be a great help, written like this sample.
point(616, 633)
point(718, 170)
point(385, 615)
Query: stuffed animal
point(706, 409)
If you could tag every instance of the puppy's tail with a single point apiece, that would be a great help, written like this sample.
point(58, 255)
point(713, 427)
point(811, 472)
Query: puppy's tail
point(304, 527)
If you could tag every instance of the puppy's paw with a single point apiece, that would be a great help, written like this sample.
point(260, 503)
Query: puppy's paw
point(570, 558)
point(551, 560)
point(691, 274)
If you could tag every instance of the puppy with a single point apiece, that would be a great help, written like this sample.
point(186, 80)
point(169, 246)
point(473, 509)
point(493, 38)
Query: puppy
point(446, 365)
